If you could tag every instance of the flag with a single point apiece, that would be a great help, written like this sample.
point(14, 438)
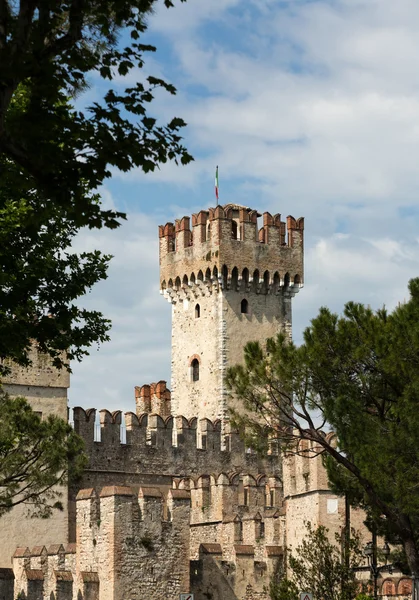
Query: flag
point(216, 183)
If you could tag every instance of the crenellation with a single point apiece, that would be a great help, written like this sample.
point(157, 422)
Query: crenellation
point(295, 230)
point(168, 448)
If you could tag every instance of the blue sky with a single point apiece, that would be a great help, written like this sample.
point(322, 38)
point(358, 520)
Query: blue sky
point(309, 108)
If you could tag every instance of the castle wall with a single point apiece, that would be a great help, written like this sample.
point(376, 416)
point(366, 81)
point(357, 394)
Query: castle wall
point(175, 452)
point(126, 548)
point(217, 339)
point(308, 499)
point(268, 315)
point(163, 450)
point(241, 578)
point(45, 388)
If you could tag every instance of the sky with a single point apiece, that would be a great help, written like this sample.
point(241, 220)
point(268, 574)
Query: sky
point(310, 108)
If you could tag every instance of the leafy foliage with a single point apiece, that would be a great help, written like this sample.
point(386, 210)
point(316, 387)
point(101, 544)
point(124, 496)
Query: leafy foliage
point(36, 458)
point(284, 589)
point(317, 567)
point(357, 375)
point(54, 157)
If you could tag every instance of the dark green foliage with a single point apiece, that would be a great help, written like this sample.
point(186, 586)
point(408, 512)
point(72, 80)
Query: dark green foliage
point(54, 158)
point(317, 567)
point(35, 456)
point(357, 375)
point(284, 589)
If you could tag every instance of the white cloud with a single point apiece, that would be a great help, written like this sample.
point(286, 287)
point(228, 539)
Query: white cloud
point(139, 350)
point(313, 107)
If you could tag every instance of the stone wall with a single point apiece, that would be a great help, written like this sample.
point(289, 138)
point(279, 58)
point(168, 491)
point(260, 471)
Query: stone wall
point(241, 578)
point(130, 546)
point(158, 450)
point(216, 339)
point(45, 388)
point(307, 498)
point(176, 452)
point(228, 236)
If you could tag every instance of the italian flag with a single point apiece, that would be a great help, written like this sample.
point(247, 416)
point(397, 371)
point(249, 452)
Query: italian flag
point(216, 183)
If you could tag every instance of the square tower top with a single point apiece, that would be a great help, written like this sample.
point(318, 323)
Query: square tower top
point(226, 238)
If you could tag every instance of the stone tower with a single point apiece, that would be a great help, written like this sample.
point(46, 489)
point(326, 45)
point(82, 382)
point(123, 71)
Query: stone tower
point(229, 283)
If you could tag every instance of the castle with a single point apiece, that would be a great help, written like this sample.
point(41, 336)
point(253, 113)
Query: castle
point(178, 505)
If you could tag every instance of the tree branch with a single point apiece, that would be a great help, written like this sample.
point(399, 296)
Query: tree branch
point(24, 22)
point(74, 33)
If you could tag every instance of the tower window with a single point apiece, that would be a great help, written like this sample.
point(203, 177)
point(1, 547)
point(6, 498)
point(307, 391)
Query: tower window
point(197, 311)
point(195, 369)
point(234, 231)
point(244, 306)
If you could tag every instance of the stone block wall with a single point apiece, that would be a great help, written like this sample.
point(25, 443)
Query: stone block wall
point(307, 498)
point(45, 388)
point(241, 577)
point(130, 546)
point(45, 572)
point(158, 450)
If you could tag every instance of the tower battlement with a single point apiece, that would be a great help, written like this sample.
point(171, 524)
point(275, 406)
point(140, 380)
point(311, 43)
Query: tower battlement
point(226, 238)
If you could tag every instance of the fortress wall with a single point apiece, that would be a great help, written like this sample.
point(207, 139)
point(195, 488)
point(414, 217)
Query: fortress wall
point(150, 451)
point(126, 548)
point(243, 577)
point(45, 388)
point(230, 237)
point(307, 498)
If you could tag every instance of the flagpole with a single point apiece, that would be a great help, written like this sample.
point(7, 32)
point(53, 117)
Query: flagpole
point(216, 184)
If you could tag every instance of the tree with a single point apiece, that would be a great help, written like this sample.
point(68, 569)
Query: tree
point(37, 457)
point(358, 376)
point(54, 158)
point(316, 566)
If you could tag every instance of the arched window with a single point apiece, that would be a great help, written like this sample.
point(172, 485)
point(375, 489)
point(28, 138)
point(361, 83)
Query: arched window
point(244, 306)
point(195, 369)
point(197, 311)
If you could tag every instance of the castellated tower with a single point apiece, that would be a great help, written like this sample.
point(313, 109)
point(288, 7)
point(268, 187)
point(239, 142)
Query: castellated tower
point(229, 283)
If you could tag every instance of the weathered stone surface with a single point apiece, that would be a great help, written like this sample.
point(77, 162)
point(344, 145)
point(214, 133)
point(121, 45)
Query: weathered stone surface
point(45, 388)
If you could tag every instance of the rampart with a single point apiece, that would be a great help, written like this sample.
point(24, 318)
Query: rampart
point(225, 243)
point(175, 452)
point(45, 388)
point(172, 447)
point(129, 545)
